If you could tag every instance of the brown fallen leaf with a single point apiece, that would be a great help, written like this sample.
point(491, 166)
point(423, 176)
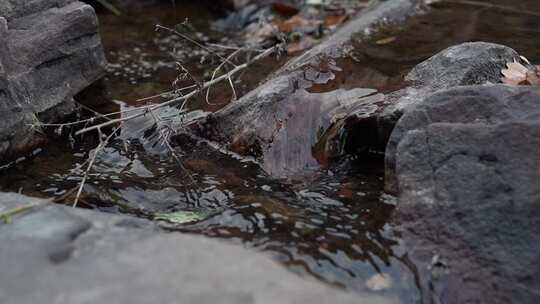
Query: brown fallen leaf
point(292, 23)
point(515, 73)
point(518, 74)
point(334, 20)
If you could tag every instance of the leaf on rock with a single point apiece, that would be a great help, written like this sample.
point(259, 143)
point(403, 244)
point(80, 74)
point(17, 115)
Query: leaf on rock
point(293, 23)
point(379, 282)
point(334, 20)
point(179, 217)
point(518, 74)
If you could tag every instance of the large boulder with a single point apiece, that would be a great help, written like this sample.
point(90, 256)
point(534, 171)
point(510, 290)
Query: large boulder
point(465, 64)
point(55, 254)
point(49, 51)
point(467, 166)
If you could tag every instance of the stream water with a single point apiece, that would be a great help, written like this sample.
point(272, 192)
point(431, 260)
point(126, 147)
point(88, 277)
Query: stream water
point(333, 223)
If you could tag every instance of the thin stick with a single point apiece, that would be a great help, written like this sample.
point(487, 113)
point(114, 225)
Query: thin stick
point(233, 48)
point(92, 111)
point(110, 7)
point(98, 149)
point(214, 76)
point(234, 97)
point(88, 120)
point(6, 216)
point(170, 30)
point(167, 92)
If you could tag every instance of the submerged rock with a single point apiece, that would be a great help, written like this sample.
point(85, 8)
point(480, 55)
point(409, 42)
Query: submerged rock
point(468, 167)
point(54, 254)
point(49, 51)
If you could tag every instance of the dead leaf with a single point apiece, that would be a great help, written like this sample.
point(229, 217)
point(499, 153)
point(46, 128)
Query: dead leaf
point(514, 74)
point(518, 74)
point(334, 20)
point(292, 24)
point(533, 77)
point(386, 40)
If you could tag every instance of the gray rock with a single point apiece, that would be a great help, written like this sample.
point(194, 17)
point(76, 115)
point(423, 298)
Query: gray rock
point(49, 51)
point(54, 254)
point(465, 64)
point(468, 167)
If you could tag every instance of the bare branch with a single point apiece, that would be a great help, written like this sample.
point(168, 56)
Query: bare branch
point(205, 85)
point(216, 71)
point(102, 144)
point(170, 30)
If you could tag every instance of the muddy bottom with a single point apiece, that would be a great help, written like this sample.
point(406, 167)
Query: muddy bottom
point(332, 223)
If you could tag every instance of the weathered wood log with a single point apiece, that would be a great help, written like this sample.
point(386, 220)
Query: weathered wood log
point(288, 123)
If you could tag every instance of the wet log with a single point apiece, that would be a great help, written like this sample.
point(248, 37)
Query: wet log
point(295, 120)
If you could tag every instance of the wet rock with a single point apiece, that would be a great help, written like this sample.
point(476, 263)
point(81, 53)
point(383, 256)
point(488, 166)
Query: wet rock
point(56, 254)
point(463, 64)
point(49, 51)
point(460, 65)
point(467, 166)
point(294, 137)
point(284, 123)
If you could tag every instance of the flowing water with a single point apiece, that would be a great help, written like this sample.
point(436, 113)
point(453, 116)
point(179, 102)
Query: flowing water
point(332, 223)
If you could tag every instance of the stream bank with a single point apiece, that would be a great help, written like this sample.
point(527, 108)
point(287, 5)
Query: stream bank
point(88, 257)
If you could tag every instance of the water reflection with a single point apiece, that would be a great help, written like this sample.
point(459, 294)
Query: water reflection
point(331, 224)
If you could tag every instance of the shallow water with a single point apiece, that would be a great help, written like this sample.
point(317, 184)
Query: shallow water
point(332, 223)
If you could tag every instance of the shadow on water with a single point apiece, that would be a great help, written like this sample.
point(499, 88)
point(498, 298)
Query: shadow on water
point(332, 223)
